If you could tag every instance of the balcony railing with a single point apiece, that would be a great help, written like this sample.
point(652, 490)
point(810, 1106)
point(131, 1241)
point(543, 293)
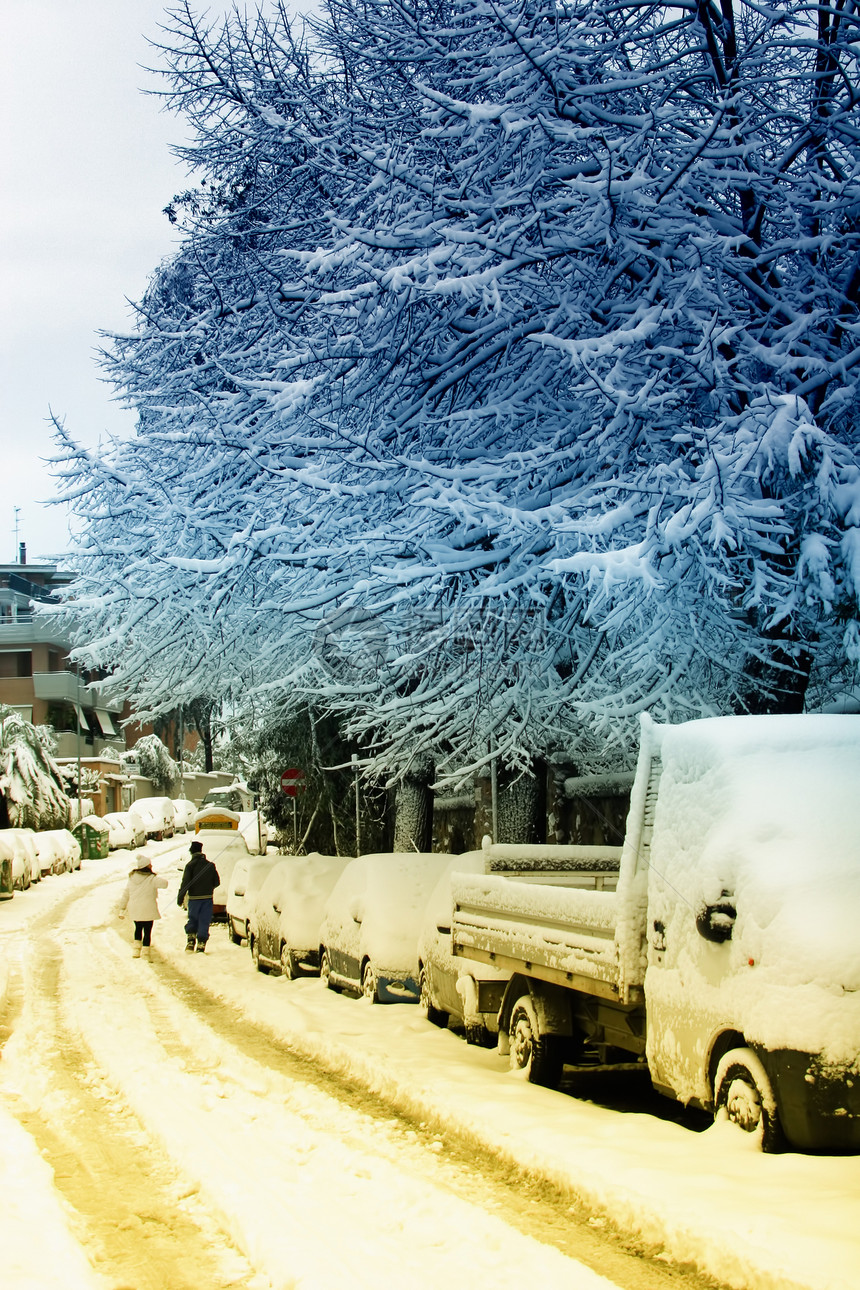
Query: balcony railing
point(64, 687)
point(27, 631)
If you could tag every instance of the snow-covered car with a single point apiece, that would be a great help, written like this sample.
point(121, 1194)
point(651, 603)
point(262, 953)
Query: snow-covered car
point(156, 816)
point(125, 830)
point(51, 852)
point(369, 933)
point(7, 885)
point(285, 917)
point(247, 878)
point(224, 847)
point(67, 847)
point(230, 797)
point(458, 992)
point(26, 866)
point(255, 831)
point(184, 814)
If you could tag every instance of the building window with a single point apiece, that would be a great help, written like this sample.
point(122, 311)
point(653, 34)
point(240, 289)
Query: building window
point(16, 663)
point(62, 717)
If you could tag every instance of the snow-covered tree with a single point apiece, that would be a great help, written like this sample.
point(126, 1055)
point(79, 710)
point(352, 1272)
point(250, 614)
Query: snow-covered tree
point(519, 340)
point(89, 784)
point(321, 817)
point(155, 763)
point(31, 785)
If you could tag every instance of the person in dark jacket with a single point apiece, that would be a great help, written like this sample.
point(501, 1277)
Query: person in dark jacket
point(199, 880)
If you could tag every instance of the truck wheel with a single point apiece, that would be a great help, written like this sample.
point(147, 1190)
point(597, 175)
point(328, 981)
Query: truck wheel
point(436, 1016)
point(537, 1056)
point(743, 1091)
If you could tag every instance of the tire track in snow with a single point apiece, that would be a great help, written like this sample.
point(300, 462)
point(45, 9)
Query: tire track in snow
point(272, 1156)
point(138, 1221)
point(533, 1205)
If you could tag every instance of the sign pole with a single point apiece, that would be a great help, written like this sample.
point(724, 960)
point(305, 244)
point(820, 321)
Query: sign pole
point(293, 783)
point(357, 810)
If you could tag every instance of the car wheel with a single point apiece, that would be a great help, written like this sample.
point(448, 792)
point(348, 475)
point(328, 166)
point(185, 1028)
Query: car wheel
point(537, 1056)
point(25, 879)
point(368, 984)
point(235, 936)
point(436, 1016)
point(325, 970)
point(255, 956)
point(744, 1094)
point(289, 963)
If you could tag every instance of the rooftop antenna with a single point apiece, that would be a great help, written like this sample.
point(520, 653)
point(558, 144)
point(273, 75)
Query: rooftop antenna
point(17, 510)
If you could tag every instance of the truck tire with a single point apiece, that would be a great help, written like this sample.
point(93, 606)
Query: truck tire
point(537, 1056)
point(743, 1091)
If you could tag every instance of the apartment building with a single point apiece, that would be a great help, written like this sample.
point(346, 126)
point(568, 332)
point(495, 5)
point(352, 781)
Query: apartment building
point(36, 676)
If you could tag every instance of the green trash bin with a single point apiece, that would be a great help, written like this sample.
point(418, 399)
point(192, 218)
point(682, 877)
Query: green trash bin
point(94, 837)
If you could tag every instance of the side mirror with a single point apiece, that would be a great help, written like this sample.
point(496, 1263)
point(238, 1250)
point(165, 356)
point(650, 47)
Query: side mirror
point(717, 922)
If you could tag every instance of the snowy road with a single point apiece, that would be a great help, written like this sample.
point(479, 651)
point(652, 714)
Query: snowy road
point(194, 1151)
point(205, 1125)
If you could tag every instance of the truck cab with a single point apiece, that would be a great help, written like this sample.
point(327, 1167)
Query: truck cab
point(752, 980)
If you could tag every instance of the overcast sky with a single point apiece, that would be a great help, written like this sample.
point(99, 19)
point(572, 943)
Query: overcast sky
point(86, 173)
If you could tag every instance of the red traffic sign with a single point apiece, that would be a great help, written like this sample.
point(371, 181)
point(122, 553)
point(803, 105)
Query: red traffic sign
point(293, 782)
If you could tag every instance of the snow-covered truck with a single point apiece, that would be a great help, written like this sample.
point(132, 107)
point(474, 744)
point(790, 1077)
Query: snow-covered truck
point(724, 949)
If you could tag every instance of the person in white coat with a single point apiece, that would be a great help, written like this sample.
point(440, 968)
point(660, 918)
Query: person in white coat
point(141, 899)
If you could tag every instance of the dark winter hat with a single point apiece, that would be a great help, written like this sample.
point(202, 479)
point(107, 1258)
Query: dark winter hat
point(196, 846)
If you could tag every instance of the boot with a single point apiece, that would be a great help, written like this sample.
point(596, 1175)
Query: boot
point(146, 952)
point(135, 953)
point(201, 947)
point(189, 944)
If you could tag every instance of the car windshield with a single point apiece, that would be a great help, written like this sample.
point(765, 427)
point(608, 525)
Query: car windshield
point(231, 800)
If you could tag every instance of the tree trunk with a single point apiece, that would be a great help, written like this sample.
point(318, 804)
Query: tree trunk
point(518, 810)
point(413, 820)
point(778, 682)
